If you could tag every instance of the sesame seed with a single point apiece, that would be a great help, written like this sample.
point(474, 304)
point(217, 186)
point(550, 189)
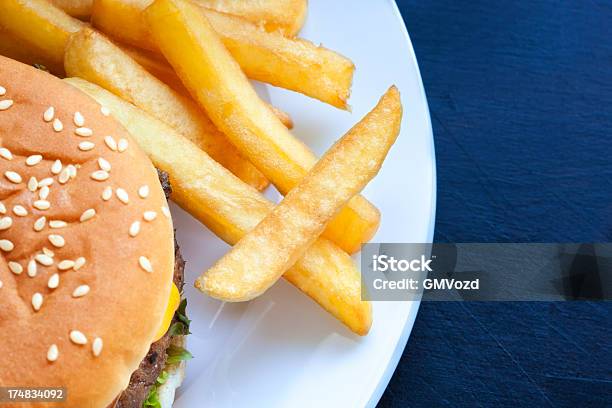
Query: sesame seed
point(20, 211)
point(53, 281)
point(5, 104)
point(56, 167)
point(43, 194)
point(104, 164)
point(6, 153)
point(2, 91)
point(77, 337)
point(41, 205)
point(72, 170)
point(122, 145)
point(2, 208)
point(134, 228)
point(110, 142)
point(1, 284)
point(83, 131)
point(57, 240)
point(86, 146)
point(87, 214)
point(99, 175)
point(57, 224)
point(165, 211)
point(79, 120)
point(65, 265)
point(52, 353)
point(49, 114)
point(122, 195)
point(64, 176)
point(143, 191)
point(79, 263)
point(80, 291)
point(105, 111)
point(37, 301)
point(47, 181)
point(48, 252)
point(32, 184)
point(43, 259)
point(149, 215)
point(15, 267)
point(5, 223)
point(6, 245)
point(57, 125)
point(39, 224)
point(96, 347)
point(32, 268)
point(13, 177)
point(107, 193)
point(145, 264)
point(33, 159)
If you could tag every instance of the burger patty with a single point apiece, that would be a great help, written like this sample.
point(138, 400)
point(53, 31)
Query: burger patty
point(152, 365)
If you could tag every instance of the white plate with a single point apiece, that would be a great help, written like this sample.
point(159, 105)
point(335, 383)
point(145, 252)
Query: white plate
point(282, 350)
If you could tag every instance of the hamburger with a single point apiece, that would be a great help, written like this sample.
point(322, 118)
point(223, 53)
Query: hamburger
point(91, 275)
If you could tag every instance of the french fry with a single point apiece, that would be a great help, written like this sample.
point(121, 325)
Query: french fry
point(160, 69)
point(156, 65)
point(18, 50)
point(282, 116)
point(286, 16)
point(91, 56)
point(230, 209)
point(263, 255)
point(40, 25)
point(289, 63)
point(76, 8)
point(215, 80)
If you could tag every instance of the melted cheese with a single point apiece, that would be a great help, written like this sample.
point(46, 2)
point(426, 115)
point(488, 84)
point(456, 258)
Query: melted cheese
point(173, 304)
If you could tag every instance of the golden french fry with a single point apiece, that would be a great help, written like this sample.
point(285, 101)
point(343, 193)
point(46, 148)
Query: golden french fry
point(216, 82)
point(159, 68)
point(263, 255)
point(230, 208)
point(288, 63)
point(282, 116)
point(42, 26)
point(16, 49)
point(75, 8)
point(286, 16)
point(156, 65)
point(91, 56)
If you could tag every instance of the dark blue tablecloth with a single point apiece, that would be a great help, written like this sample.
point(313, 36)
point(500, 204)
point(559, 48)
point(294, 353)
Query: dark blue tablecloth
point(520, 95)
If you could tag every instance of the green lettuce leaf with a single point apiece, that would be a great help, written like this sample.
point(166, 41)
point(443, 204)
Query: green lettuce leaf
point(177, 354)
point(163, 377)
point(181, 326)
point(152, 400)
point(182, 315)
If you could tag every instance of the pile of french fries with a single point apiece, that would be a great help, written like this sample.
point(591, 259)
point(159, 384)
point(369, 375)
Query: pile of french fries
point(176, 74)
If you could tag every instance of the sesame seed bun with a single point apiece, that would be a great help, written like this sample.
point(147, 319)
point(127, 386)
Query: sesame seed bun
point(95, 279)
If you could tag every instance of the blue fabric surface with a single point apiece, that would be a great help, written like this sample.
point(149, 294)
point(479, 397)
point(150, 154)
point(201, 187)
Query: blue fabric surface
point(520, 95)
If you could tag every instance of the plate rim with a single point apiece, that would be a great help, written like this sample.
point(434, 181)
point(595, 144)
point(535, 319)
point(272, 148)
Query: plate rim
point(383, 382)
